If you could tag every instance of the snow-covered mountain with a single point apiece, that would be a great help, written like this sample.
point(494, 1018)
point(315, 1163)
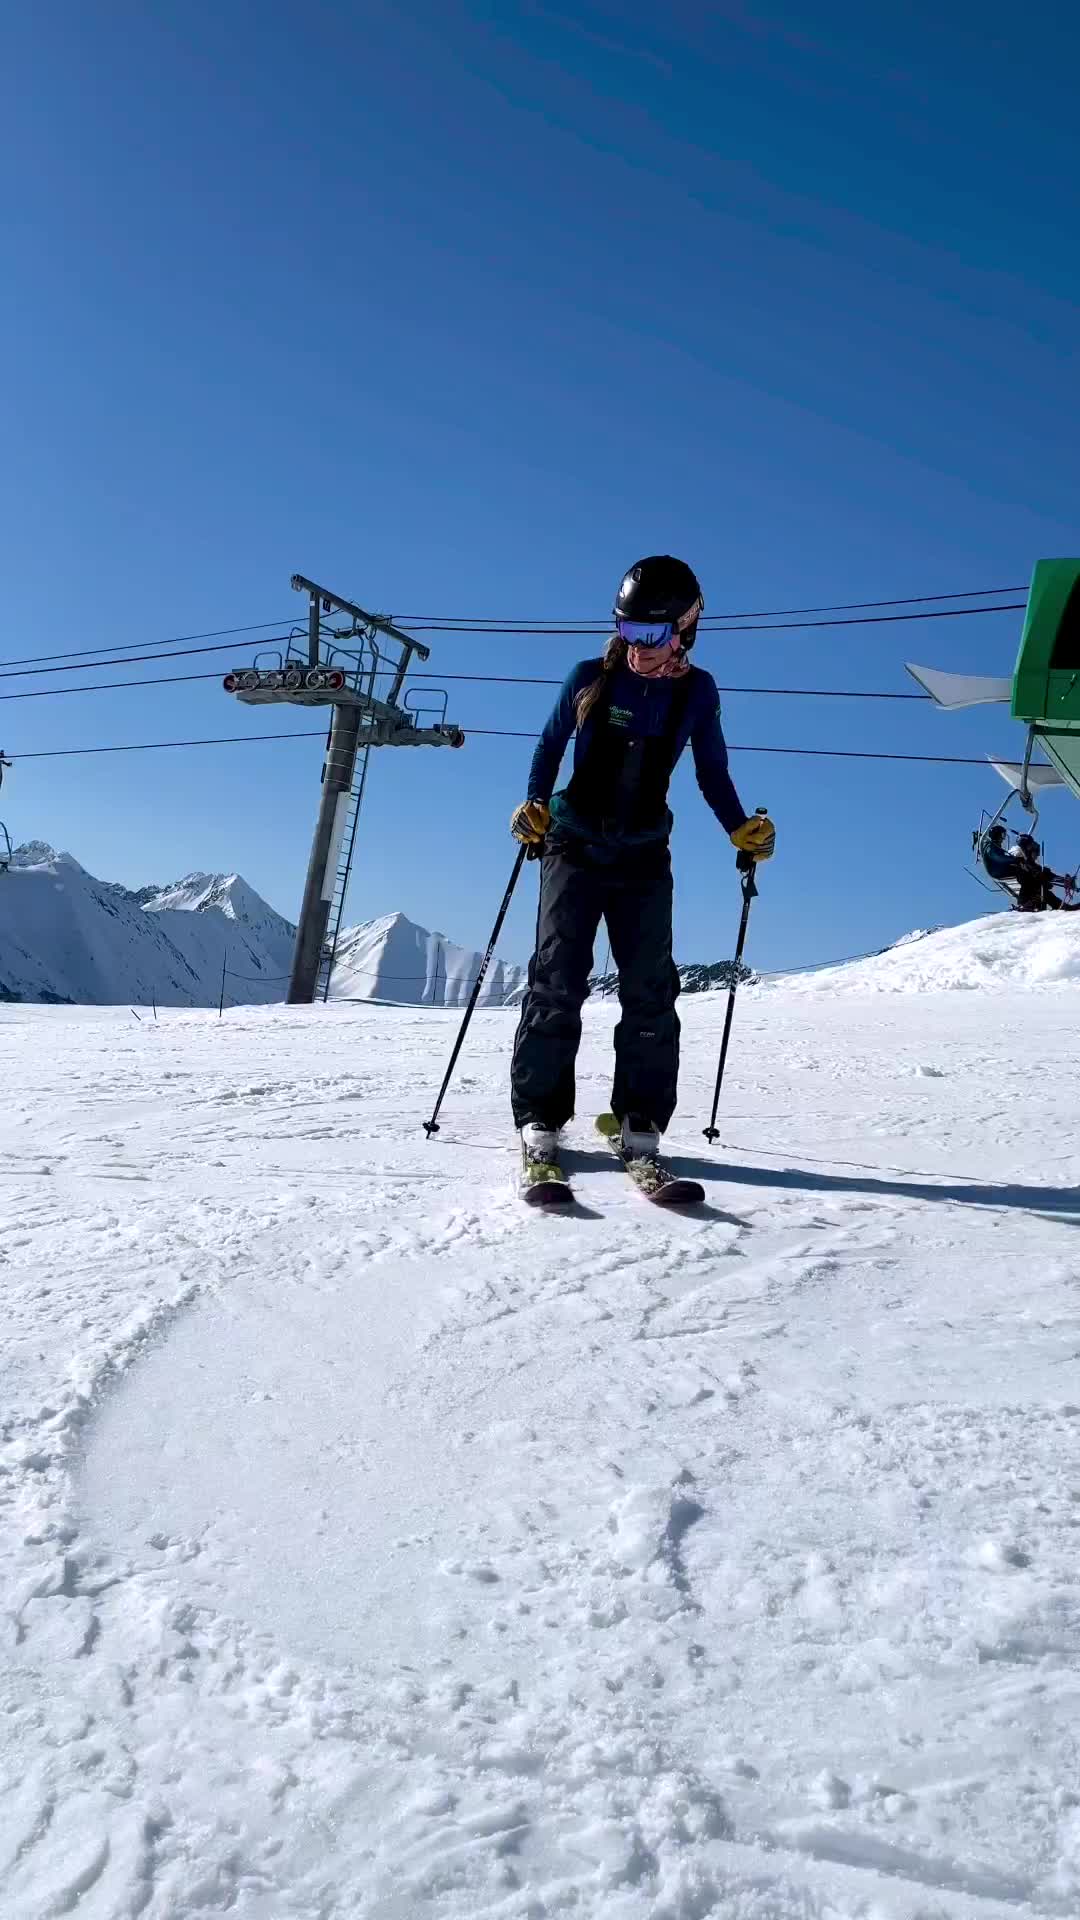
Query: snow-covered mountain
point(68, 937)
point(393, 959)
point(695, 976)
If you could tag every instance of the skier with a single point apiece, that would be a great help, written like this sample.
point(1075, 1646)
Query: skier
point(1001, 863)
point(1020, 870)
point(606, 855)
point(1037, 882)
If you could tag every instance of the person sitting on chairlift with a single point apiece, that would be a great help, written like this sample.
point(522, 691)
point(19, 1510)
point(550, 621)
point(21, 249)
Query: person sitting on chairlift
point(1021, 872)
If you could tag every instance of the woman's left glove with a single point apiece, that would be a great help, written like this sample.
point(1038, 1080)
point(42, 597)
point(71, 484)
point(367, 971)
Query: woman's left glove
point(530, 822)
point(756, 836)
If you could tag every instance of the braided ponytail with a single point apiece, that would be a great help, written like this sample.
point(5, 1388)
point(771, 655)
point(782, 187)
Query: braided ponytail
point(614, 657)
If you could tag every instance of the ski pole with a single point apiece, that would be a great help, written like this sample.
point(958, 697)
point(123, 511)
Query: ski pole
point(432, 1126)
point(746, 865)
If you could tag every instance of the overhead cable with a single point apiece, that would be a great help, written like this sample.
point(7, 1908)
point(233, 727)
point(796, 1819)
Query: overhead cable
point(768, 613)
point(93, 656)
point(497, 733)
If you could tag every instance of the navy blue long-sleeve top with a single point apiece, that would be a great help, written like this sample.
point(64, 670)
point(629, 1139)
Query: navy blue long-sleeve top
point(647, 704)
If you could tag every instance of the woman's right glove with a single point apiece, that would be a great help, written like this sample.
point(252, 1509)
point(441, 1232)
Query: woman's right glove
point(530, 822)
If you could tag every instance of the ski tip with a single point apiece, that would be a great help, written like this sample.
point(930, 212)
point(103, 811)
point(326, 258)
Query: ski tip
point(548, 1193)
point(607, 1124)
point(678, 1193)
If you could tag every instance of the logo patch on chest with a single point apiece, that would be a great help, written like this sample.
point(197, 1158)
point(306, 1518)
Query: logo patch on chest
point(620, 717)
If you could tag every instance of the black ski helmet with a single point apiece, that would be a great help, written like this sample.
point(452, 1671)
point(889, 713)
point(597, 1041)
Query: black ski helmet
point(662, 588)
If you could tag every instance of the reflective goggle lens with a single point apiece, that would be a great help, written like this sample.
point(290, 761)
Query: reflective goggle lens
point(644, 633)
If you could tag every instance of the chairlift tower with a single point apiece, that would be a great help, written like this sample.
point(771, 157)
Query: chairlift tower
point(338, 667)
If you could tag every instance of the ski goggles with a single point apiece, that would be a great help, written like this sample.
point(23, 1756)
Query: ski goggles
point(645, 633)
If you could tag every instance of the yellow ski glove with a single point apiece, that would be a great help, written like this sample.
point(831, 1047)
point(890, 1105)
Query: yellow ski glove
point(530, 822)
point(756, 836)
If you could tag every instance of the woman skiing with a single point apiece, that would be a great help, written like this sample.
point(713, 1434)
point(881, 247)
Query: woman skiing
point(606, 855)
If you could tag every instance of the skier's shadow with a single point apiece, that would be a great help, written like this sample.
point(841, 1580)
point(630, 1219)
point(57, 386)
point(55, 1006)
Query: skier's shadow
point(1058, 1203)
point(588, 1160)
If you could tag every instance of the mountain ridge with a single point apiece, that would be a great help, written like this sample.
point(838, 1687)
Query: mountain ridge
point(67, 937)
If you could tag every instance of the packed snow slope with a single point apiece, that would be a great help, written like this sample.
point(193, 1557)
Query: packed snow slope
point(372, 1546)
point(68, 938)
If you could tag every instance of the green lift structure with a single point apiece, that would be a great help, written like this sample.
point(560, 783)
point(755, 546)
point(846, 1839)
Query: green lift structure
point(1044, 691)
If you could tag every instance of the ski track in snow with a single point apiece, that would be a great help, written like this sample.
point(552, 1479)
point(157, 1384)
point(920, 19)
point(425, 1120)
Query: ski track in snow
point(371, 1546)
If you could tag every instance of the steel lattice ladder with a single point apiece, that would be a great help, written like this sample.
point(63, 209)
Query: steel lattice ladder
point(341, 876)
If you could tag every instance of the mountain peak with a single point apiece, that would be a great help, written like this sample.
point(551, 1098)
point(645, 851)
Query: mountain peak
point(196, 892)
point(38, 853)
point(392, 958)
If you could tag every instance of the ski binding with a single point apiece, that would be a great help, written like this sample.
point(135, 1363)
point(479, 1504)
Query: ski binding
point(648, 1173)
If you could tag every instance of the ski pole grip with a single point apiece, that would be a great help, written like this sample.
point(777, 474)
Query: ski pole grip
point(745, 862)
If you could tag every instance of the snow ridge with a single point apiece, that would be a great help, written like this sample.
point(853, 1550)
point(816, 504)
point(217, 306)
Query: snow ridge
point(997, 952)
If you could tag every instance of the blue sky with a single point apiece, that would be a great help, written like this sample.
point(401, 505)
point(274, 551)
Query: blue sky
point(461, 307)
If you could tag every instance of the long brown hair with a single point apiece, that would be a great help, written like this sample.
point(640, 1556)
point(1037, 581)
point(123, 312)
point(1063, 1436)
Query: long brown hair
point(614, 657)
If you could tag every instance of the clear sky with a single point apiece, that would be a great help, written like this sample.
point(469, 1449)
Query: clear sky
point(460, 307)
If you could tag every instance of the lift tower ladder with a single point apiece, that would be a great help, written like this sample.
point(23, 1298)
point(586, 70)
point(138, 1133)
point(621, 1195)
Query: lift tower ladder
point(342, 875)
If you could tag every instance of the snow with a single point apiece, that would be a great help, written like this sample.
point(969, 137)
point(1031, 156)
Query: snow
point(999, 952)
point(371, 1546)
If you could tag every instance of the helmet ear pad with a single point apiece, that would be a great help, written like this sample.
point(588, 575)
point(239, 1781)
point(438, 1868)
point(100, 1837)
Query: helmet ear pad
point(686, 627)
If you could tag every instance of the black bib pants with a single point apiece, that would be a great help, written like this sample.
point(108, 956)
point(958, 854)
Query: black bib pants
point(622, 787)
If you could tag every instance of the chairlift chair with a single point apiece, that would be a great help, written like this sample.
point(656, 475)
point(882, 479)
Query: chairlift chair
point(1023, 782)
point(1020, 780)
point(981, 834)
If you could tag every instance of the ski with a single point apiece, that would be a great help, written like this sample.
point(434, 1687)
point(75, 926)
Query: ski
point(649, 1175)
point(543, 1184)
